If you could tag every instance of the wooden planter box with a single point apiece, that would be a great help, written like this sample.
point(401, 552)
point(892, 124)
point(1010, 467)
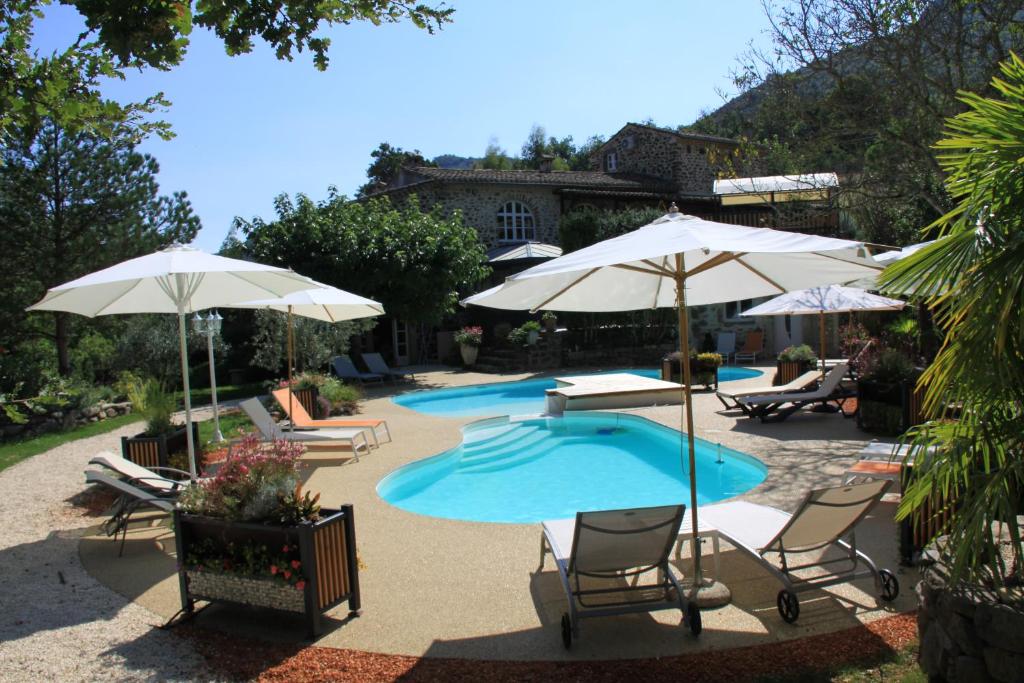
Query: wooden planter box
point(152, 451)
point(698, 374)
point(327, 549)
point(788, 370)
point(308, 399)
point(888, 408)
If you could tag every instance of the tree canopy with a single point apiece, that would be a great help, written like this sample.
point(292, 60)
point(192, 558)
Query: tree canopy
point(387, 163)
point(124, 34)
point(70, 204)
point(414, 262)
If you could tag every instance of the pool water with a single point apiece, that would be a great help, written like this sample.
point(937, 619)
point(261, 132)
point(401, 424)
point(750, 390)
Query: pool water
point(530, 470)
point(513, 398)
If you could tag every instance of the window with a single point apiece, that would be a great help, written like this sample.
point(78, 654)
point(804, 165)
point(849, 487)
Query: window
point(611, 162)
point(734, 308)
point(628, 142)
point(515, 223)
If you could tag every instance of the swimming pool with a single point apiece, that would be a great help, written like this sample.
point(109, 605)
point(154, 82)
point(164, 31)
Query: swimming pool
point(526, 471)
point(512, 398)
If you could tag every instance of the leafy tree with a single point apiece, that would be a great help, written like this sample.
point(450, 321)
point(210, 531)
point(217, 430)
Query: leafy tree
point(316, 342)
point(414, 262)
point(70, 204)
point(588, 226)
point(148, 344)
point(496, 158)
point(386, 164)
point(121, 35)
point(862, 87)
point(973, 280)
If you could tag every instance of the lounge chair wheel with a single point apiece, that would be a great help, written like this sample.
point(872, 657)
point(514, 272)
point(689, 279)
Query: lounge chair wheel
point(566, 631)
point(789, 606)
point(693, 619)
point(890, 585)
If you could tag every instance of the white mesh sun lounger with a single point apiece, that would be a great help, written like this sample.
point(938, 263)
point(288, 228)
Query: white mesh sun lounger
point(599, 547)
point(824, 518)
point(355, 437)
point(130, 499)
point(799, 384)
point(765, 405)
point(346, 369)
point(137, 475)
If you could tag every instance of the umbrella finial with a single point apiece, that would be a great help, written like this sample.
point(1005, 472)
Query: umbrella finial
point(673, 208)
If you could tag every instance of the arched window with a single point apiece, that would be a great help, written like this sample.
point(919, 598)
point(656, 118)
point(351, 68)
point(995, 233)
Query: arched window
point(515, 223)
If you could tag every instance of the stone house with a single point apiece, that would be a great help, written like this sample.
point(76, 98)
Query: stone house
point(639, 166)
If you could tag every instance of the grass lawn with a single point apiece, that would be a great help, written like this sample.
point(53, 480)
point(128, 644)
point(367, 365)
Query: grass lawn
point(901, 667)
point(15, 451)
point(230, 422)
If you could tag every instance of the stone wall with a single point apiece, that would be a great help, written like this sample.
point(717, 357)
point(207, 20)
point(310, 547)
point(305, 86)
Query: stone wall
point(480, 205)
point(46, 420)
point(691, 164)
point(967, 635)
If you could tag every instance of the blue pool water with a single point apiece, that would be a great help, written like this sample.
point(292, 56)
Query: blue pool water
point(512, 398)
point(526, 471)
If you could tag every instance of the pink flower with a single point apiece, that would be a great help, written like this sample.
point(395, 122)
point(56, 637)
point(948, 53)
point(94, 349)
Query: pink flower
point(296, 564)
point(300, 585)
point(285, 548)
point(287, 574)
point(273, 569)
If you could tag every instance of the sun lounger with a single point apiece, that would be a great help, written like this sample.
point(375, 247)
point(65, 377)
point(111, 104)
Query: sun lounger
point(778, 406)
point(726, 345)
point(130, 499)
point(614, 546)
point(346, 369)
point(143, 477)
point(301, 419)
point(354, 437)
point(753, 344)
point(822, 520)
point(377, 365)
point(801, 383)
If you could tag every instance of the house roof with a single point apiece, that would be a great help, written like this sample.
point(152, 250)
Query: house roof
point(511, 252)
point(776, 183)
point(682, 135)
point(597, 180)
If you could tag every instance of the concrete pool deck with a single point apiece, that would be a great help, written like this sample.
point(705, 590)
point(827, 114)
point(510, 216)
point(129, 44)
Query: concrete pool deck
point(435, 587)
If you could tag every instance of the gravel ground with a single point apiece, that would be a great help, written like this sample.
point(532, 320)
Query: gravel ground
point(56, 621)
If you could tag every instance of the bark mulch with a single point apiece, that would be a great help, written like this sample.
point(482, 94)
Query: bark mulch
point(246, 659)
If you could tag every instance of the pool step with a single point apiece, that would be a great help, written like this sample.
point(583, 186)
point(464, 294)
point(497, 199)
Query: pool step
point(512, 446)
point(484, 435)
point(510, 435)
point(508, 459)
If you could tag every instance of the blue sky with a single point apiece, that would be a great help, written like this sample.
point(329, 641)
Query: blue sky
point(251, 127)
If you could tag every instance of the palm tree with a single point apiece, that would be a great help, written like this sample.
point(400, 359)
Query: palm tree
point(973, 280)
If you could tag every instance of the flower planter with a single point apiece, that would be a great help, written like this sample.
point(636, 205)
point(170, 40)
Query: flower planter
point(308, 398)
point(327, 549)
point(888, 408)
point(699, 374)
point(469, 353)
point(153, 451)
point(788, 370)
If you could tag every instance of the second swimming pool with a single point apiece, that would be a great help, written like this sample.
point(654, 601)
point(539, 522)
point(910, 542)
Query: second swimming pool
point(513, 398)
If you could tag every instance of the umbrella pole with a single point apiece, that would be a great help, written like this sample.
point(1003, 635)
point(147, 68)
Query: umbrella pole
point(187, 389)
point(684, 349)
point(291, 355)
point(821, 334)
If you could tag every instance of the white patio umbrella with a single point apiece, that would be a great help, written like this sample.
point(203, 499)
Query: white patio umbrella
point(325, 303)
point(823, 300)
point(675, 261)
point(178, 279)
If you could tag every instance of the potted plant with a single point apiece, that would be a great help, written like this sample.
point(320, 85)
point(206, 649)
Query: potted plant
point(249, 535)
point(306, 388)
point(469, 340)
point(792, 362)
point(532, 329)
point(703, 368)
point(887, 399)
point(550, 320)
point(162, 438)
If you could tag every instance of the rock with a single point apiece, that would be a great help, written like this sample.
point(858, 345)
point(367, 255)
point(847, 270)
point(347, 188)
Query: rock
point(110, 412)
point(91, 411)
point(963, 632)
point(1004, 666)
point(57, 415)
point(971, 670)
point(13, 430)
point(48, 426)
point(94, 419)
point(1001, 626)
point(933, 656)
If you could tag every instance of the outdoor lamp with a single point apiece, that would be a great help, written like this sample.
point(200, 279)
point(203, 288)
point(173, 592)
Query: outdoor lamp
point(210, 325)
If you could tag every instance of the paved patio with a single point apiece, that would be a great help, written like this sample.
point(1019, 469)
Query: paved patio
point(435, 587)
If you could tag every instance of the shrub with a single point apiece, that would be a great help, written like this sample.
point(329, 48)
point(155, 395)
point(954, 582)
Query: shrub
point(709, 360)
point(308, 380)
point(342, 398)
point(798, 353)
point(151, 400)
point(257, 483)
point(890, 365)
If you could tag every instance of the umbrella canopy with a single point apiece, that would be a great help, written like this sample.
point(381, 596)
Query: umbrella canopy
point(325, 303)
point(178, 279)
point(822, 300)
point(675, 261)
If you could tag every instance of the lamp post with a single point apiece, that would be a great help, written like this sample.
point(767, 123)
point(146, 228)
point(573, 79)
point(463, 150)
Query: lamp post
point(210, 326)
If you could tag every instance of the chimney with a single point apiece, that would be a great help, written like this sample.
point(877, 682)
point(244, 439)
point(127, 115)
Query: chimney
point(546, 162)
